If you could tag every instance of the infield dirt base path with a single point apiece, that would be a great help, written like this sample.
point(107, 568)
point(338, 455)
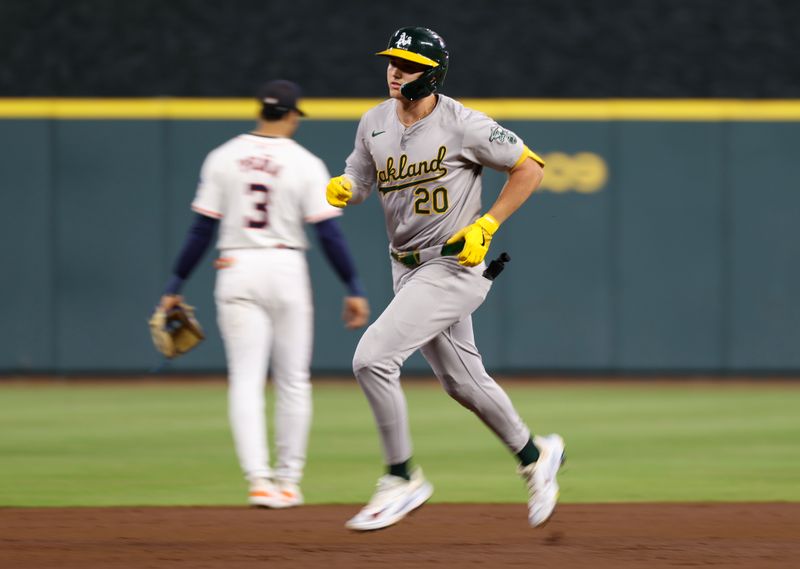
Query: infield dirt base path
point(439, 535)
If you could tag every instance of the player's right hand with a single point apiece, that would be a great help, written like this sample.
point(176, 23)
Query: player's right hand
point(338, 192)
point(356, 312)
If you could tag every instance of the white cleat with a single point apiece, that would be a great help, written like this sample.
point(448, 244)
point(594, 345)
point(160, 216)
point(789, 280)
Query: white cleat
point(394, 499)
point(540, 477)
point(290, 494)
point(264, 494)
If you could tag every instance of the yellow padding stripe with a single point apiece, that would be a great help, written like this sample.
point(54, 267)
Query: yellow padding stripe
point(707, 110)
point(351, 109)
point(165, 108)
point(129, 108)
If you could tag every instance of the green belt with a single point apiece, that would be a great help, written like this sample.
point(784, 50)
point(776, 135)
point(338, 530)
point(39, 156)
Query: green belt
point(412, 259)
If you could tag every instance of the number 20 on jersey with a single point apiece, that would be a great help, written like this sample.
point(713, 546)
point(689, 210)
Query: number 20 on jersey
point(427, 202)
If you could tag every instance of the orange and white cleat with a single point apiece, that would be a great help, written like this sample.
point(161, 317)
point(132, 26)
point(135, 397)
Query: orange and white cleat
point(264, 494)
point(290, 494)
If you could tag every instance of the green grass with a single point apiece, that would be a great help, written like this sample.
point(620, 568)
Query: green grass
point(155, 444)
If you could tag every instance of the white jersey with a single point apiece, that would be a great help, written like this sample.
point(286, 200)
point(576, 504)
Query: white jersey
point(428, 175)
point(263, 189)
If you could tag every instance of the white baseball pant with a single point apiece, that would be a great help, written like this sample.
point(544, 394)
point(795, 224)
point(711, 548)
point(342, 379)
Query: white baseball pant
point(264, 311)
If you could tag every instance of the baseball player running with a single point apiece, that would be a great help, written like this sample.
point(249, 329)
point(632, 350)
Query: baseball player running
point(425, 152)
point(260, 188)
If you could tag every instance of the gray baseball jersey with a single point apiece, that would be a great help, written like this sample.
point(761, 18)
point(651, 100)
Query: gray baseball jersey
point(428, 175)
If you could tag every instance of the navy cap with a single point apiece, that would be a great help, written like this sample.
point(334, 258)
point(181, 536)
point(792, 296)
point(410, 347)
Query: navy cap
point(279, 97)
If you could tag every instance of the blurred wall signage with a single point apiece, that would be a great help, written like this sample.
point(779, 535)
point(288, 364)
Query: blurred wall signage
point(584, 172)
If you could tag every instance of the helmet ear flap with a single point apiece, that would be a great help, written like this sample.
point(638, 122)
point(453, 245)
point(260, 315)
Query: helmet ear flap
point(420, 87)
point(426, 84)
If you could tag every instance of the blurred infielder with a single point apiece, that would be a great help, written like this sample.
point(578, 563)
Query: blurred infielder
point(260, 188)
point(425, 153)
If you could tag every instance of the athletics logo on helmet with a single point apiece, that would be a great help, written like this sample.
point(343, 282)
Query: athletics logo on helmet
point(403, 41)
point(425, 47)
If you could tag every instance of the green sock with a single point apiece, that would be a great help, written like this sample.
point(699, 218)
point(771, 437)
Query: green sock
point(400, 469)
point(529, 453)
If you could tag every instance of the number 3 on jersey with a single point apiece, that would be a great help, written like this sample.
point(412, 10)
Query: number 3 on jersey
point(260, 194)
point(425, 201)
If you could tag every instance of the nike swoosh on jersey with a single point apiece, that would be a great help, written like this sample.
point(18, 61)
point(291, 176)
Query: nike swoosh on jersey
point(377, 132)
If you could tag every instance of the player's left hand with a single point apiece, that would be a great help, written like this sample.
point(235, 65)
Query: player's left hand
point(477, 238)
point(355, 312)
point(170, 301)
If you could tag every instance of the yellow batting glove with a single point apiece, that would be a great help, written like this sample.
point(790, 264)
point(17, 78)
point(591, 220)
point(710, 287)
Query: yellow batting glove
point(338, 192)
point(477, 238)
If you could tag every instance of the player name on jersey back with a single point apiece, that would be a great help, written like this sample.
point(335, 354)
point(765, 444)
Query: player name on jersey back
point(264, 189)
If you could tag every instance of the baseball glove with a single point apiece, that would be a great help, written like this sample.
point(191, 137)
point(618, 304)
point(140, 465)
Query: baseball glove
point(175, 332)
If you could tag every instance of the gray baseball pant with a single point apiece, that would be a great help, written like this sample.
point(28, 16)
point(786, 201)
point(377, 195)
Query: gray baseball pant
point(431, 311)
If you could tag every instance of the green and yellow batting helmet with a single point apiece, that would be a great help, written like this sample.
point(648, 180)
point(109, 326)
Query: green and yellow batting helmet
point(425, 47)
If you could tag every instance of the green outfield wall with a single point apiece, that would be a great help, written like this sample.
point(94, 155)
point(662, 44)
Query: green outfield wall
point(665, 237)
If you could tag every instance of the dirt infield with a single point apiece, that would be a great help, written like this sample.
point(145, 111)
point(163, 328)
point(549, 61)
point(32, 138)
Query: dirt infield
point(440, 535)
